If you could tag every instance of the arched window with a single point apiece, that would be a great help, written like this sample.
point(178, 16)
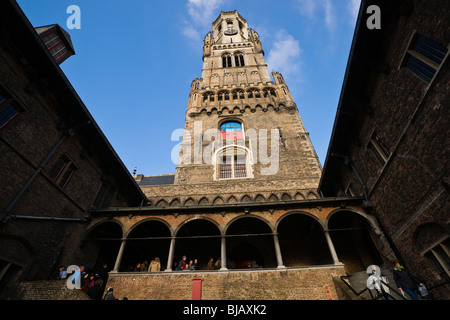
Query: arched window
point(231, 130)
point(208, 96)
point(233, 162)
point(238, 94)
point(226, 60)
point(239, 59)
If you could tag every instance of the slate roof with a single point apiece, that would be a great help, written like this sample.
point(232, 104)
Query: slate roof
point(157, 180)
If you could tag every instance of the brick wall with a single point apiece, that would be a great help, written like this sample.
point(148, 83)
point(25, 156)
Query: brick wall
point(411, 121)
point(48, 290)
point(290, 284)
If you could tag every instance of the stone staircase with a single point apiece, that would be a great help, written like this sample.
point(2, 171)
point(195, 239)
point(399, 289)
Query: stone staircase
point(358, 282)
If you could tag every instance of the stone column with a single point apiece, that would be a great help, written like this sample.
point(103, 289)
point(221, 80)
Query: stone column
point(278, 251)
point(223, 253)
point(331, 247)
point(119, 256)
point(170, 257)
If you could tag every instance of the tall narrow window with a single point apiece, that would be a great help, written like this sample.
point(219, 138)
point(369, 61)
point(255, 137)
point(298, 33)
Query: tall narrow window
point(239, 60)
point(7, 111)
point(226, 61)
point(240, 170)
point(440, 255)
point(424, 57)
point(63, 171)
point(378, 149)
point(226, 168)
point(231, 130)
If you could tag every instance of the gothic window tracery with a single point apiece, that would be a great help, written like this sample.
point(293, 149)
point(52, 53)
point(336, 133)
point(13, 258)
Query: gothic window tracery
point(226, 60)
point(239, 59)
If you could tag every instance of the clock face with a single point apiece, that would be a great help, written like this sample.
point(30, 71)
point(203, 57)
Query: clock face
point(230, 32)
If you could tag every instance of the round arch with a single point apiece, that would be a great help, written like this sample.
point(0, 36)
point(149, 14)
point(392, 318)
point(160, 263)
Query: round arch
point(16, 254)
point(305, 213)
point(146, 240)
point(367, 217)
point(428, 234)
point(102, 243)
point(197, 238)
point(249, 242)
point(302, 240)
point(353, 234)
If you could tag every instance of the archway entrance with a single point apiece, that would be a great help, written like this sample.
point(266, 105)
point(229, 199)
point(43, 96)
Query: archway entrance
point(147, 240)
point(197, 239)
point(352, 237)
point(250, 244)
point(15, 255)
point(302, 241)
point(102, 245)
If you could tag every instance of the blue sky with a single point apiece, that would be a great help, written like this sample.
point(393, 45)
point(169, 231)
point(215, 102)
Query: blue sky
point(135, 61)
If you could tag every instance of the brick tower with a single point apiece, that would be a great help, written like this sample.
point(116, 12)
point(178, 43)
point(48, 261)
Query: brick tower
point(244, 194)
point(242, 127)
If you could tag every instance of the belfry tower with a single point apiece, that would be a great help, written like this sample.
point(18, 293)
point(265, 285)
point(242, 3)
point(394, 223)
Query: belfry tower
point(243, 205)
point(244, 194)
point(240, 125)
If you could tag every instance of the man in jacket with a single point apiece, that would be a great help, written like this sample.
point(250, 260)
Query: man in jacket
point(405, 281)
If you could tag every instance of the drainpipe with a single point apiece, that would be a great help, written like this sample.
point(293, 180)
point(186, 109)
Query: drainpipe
point(6, 215)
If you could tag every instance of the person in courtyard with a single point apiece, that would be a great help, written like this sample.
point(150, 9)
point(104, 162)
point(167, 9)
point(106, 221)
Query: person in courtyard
point(182, 265)
point(109, 295)
point(155, 265)
point(210, 265)
point(406, 282)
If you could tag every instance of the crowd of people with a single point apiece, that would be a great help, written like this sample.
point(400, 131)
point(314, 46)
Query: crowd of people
point(191, 265)
point(91, 282)
point(153, 266)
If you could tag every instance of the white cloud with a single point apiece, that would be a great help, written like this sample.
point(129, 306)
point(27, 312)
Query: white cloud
point(319, 9)
point(191, 32)
point(353, 7)
point(203, 11)
point(307, 7)
point(330, 19)
point(329, 12)
point(201, 14)
point(284, 57)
